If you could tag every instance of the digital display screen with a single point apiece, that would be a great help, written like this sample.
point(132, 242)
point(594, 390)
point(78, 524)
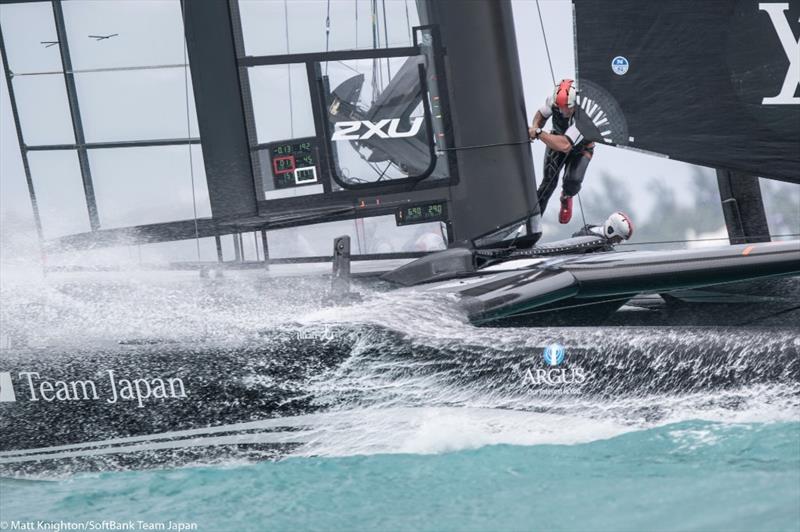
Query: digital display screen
point(293, 163)
point(417, 214)
point(305, 175)
point(283, 165)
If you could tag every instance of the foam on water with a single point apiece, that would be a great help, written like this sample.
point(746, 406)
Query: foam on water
point(414, 376)
point(400, 397)
point(65, 309)
point(425, 430)
point(446, 429)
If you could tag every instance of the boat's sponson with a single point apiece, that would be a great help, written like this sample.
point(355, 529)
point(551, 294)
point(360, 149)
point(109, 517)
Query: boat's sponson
point(519, 285)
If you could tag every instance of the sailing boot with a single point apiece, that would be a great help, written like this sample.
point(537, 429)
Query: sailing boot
point(565, 214)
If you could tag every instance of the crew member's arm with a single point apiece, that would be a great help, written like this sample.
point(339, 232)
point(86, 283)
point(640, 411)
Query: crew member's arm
point(541, 117)
point(555, 142)
point(563, 143)
point(539, 120)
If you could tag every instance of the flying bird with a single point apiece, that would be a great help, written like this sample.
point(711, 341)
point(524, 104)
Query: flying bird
point(103, 37)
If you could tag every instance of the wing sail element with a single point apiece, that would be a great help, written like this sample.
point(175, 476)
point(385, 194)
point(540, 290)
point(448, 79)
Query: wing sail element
point(712, 83)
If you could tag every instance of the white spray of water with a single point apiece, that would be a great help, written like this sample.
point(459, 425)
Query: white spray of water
point(408, 411)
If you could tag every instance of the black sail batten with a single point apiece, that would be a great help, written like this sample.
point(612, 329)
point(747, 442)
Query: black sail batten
point(742, 207)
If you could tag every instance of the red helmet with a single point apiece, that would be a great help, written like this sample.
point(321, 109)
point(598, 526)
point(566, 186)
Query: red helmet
point(565, 95)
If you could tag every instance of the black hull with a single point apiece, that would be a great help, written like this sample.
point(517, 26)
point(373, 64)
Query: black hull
point(269, 398)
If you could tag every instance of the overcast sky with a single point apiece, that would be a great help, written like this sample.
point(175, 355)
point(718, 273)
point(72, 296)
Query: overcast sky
point(151, 104)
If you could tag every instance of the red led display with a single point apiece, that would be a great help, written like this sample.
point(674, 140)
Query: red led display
point(283, 165)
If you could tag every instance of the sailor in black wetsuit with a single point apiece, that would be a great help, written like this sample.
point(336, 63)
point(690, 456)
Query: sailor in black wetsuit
point(566, 147)
point(617, 227)
point(590, 239)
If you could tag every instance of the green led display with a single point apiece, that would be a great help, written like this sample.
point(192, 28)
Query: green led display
point(417, 214)
point(288, 158)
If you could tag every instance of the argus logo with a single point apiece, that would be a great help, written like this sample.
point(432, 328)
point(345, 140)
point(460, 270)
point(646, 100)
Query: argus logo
point(552, 376)
point(6, 388)
point(554, 354)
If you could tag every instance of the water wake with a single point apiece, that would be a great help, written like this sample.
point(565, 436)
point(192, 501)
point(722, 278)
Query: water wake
point(269, 366)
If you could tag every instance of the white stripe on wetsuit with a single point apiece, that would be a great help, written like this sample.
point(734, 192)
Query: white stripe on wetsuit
point(574, 134)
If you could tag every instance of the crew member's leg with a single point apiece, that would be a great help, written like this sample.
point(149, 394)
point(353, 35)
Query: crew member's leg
point(576, 170)
point(553, 161)
point(576, 165)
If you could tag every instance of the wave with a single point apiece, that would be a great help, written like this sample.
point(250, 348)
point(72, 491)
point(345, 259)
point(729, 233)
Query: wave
point(720, 476)
point(401, 372)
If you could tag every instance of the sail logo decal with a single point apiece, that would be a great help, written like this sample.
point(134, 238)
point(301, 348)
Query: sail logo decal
point(598, 116)
point(620, 65)
point(6, 388)
point(791, 48)
point(112, 389)
point(350, 130)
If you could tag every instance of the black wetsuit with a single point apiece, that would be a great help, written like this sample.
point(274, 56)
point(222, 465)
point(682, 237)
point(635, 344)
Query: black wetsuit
point(575, 161)
point(597, 231)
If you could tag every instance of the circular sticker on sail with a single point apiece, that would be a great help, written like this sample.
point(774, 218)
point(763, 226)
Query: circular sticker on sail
point(619, 65)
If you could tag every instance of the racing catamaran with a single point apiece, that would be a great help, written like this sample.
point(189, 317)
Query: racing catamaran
point(428, 135)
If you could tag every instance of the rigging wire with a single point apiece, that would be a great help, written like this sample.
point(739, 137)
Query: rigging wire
point(479, 146)
point(189, 147)
point(544, 36)
point(289, 66)
point(380, 177)
point(103, 69)
point(716, 239)
point(580, 204)
point(375, 64)
point(348, 66)
point(408, 24)
point(510, 246)
point(376, 43)
point(376, 169)
point(328, 33)
point(386, 42)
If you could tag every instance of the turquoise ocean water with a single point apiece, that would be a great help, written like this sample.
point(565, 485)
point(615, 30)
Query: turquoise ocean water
point(692, 475)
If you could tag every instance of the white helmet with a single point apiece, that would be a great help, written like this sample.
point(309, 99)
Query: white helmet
point(618, 227)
